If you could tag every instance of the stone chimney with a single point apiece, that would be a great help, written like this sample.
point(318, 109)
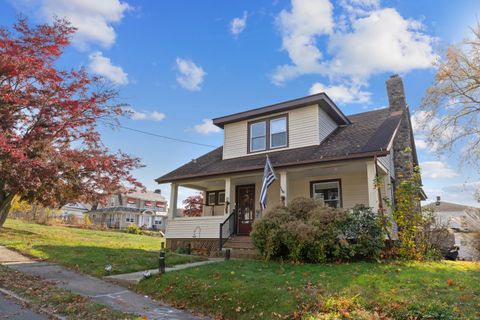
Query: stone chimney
point(404, 154)
point(396, 94)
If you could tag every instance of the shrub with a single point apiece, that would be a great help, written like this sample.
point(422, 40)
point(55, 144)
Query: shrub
point(134, 229)
point(308, 231)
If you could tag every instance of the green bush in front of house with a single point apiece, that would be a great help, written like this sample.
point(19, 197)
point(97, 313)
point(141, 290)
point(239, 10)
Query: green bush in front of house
point(308, 231)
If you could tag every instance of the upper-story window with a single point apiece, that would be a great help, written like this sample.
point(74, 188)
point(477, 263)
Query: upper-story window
point(268, 134)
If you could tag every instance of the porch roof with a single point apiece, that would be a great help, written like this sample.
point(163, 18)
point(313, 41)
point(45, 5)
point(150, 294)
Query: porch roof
point(368, 135)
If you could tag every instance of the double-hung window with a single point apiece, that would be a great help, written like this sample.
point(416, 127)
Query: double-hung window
point(258, 136)
point(329, 192)
point(268, 134)
point(278, 132)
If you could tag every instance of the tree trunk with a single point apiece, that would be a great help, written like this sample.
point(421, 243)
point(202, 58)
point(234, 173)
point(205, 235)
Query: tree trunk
point(5, 207)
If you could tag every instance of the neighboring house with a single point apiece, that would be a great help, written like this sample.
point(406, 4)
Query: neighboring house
point(316, 151)
point(74, 212)
point(456, 218)
point(144, 209)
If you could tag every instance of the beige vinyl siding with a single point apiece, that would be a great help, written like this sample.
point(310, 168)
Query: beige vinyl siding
point(354, 188)
point(326, 124)
point(207, 227)
point(235, 140)
point(303, 130)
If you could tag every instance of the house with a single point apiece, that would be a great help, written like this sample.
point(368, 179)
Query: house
point(145, 209)
point(74, 212)
point(316, 151)
point(463, 222)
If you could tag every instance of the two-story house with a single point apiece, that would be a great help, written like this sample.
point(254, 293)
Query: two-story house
point(146, 209)
point(315, 150)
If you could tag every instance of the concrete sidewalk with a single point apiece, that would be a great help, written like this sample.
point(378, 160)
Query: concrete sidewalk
point(115, 296)
point(135, 277)
point(13, 310)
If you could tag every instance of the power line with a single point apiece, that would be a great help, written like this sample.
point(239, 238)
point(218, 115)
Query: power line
point(161, 136)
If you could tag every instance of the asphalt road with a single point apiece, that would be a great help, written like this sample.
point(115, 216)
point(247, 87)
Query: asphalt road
point(10, 309)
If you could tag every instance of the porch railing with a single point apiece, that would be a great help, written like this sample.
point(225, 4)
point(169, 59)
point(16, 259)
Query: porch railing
point(228, 228)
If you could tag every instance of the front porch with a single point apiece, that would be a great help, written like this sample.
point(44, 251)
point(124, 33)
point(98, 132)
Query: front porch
point(231, 202)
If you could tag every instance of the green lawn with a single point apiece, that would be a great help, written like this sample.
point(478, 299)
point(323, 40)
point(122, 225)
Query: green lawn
point(255, 289)
point(87, 250)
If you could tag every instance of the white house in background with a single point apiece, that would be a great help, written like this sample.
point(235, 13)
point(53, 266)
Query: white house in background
point(316, 151)
point(456, 217)
point(145, 209)
point(74, 211)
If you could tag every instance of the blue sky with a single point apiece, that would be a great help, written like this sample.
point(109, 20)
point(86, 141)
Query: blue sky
point(180, 63)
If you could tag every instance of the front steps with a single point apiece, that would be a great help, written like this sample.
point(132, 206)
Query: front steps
point(241, 247)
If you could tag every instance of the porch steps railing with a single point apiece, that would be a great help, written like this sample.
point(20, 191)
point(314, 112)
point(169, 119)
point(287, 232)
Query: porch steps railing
point(228, 228)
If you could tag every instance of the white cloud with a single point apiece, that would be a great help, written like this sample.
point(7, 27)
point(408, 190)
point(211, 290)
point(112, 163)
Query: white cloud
point(361, 40)
point(437, 170)
point(342, 93)
point(206, 127)
point(103, 66)
point(237, 25)
point(420, 144)
point(383, 41)
point(145, 115)
point(190, 76)
point(299, 28)
point(92, 18)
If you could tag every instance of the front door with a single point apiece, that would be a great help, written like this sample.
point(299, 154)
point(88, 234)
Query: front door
point(245, 208)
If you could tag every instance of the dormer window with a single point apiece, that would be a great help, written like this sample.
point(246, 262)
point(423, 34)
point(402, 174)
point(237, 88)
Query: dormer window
point(278, 133)
point(268, 134)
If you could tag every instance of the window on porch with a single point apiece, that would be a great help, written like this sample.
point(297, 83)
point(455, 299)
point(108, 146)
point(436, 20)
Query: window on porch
point(328, 192)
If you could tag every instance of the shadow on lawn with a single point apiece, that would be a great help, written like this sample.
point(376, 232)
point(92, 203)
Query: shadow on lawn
point(93, 259)
point(13, 232)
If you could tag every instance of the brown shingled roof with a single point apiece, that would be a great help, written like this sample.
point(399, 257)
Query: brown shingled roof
point(368, 135)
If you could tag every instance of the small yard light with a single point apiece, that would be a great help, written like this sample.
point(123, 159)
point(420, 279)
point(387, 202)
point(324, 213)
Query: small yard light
point(108, 269)
point(147, 274)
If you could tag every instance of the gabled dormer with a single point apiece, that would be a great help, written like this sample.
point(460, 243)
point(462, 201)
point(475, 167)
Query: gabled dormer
point(292, 124)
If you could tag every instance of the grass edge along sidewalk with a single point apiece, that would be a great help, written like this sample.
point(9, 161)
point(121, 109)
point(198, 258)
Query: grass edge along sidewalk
point(45, 297)
point(86, 250)
point(361, 290)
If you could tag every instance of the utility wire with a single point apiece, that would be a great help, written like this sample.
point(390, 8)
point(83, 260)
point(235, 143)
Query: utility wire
point(161, 136)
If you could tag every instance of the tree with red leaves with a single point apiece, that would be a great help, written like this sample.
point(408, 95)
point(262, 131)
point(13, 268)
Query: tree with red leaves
point(193, 206)
point(50, 149)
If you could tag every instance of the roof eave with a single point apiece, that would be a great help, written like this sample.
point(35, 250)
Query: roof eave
point(322, 99)
point(356, 156)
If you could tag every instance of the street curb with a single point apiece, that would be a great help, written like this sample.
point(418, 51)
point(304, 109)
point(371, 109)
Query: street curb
point(30, 304)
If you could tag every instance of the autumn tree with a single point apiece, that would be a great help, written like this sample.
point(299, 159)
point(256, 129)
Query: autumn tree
point(50, 148)
point(450, 110)
point(193, 205)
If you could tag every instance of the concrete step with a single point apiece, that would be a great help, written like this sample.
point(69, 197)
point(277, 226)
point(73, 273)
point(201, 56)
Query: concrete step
point(238, 245)
point(238, 253)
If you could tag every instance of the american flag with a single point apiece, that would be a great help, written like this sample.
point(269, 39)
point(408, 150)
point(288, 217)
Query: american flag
point(268, 178)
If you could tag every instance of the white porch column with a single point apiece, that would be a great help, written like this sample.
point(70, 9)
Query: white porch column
point(228, 198)
point(372, 191)
point(172, 211)
point(284, 186)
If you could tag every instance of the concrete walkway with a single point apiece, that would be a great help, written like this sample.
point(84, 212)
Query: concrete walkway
point(12, 310)
point(135, 277)
point(102, 292)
